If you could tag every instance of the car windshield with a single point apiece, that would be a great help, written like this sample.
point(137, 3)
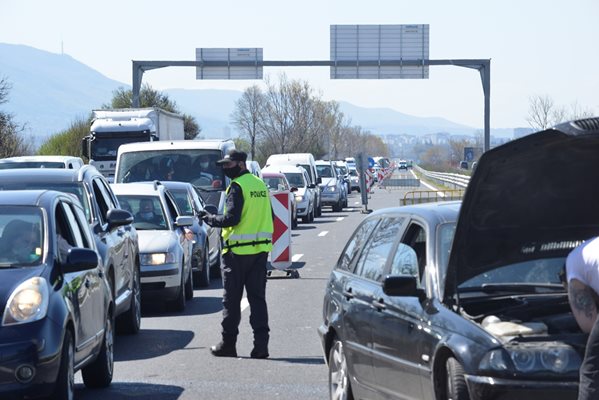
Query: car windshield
point(21, 236)
point(147, 211)
point(324, 171)
point(527, 276)
point(275, 183)
point(73, 188)
point(295, 179)
point(196, 166)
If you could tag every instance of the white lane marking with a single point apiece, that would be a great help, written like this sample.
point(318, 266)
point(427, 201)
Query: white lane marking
point(339, 219)
point(244, 303)
point(296, 257)
point(323, 233)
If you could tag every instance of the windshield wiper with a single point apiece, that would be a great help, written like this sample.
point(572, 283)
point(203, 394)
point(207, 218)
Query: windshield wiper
point(513, 287)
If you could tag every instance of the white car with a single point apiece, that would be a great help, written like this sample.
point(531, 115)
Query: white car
point(304, 196)
point(66, 162)
point(165, 251)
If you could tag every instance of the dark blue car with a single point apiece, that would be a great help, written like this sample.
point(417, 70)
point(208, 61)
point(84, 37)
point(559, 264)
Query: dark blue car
point(57, 307)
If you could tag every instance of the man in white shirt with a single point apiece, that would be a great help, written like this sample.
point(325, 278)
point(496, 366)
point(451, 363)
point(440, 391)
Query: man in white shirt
point(582, 273)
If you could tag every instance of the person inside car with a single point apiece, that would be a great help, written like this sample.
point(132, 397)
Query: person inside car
point(147, 213)
point(20, 242)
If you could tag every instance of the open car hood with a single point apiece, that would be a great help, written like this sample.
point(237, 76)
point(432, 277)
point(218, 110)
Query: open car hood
point(535, 197)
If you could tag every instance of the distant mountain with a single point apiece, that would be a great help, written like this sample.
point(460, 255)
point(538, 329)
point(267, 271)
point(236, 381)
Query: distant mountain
point(388, 121)
point(49, 91)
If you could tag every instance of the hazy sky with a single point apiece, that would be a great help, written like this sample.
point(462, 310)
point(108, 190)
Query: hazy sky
point(536, 47)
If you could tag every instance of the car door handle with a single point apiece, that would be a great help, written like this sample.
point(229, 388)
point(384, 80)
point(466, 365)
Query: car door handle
point(348, 294)
point(379, 304)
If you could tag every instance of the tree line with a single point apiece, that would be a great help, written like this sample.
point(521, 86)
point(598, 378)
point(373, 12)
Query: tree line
point(288, 116)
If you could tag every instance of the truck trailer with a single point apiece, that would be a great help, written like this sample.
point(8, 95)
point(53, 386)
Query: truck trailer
point(113, 127)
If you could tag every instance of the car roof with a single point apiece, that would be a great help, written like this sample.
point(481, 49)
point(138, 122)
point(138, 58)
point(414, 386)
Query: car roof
point(138, 188)
point(177, 185)
point(47, 174)
point(442, 211)
point(273, 174)
point(177, 145)
point(41, 158)
point(283, 168)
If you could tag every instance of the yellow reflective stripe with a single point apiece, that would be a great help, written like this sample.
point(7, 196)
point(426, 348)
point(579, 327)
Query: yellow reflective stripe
point(251, 236)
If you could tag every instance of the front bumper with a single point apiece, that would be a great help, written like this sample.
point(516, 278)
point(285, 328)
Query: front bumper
point(330, 198)
point(160, 281)
point(483, 387)
point(38, 346)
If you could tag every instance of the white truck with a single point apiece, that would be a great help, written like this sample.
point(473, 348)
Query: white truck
point(113, 127)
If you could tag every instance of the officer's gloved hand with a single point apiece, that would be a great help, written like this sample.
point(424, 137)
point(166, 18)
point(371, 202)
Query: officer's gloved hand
point(204, 215)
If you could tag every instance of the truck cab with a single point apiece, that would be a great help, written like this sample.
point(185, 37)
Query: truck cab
point(111, 128)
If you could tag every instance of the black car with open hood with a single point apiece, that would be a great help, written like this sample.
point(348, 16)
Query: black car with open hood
point(453, 300)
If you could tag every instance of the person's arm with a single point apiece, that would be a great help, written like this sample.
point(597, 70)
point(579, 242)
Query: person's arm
point(232, 216)
point(582, 302)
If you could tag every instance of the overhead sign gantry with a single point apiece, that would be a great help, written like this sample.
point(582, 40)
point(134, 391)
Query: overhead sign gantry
point(357, 52)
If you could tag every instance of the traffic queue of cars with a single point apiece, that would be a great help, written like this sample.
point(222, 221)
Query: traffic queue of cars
point(75, 261)
point(463, 300)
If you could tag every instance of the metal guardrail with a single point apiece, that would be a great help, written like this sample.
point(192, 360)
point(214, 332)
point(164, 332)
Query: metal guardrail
point(453, 180)
point(428, 196)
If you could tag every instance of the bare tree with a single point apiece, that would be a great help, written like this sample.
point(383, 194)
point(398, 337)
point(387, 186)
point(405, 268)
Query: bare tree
point(12, 142)
point(541, 112)
point(248, 114)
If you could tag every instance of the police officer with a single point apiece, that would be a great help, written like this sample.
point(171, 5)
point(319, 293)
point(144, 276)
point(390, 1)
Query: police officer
point(247, 228)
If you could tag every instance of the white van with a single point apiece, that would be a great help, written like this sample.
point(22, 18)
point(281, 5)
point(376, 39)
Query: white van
point(192, 161)
point(64, 162)
point(305, 160)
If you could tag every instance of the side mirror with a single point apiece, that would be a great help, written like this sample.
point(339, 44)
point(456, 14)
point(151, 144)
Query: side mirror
point(293, 189)
point(117, 217)
point(402, 285)
point(80, 259)
point(319, 180)
point(312, 186)
point(210, 208)
point(184, 220)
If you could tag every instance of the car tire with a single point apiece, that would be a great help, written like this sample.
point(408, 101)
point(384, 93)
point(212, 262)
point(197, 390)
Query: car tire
point(65, 382)
point(130, 321)
point(456, 383)
point(202, 278)
point(338, 207)
point(98, 374)
point(339, 380)
point(178, 304)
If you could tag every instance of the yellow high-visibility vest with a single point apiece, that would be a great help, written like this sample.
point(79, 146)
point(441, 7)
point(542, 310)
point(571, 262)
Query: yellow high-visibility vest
point(253, 233)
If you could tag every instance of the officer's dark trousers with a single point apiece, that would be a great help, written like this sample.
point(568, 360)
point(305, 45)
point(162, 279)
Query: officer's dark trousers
point(589, 370)
point(249, 271)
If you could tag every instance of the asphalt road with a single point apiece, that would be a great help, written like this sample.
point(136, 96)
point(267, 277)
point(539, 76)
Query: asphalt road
point(170, 358)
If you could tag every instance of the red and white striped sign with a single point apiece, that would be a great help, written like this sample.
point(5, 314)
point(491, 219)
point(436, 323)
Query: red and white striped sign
point(280, 256)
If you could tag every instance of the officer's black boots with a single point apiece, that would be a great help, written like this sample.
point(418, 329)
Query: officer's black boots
point(223, 350)
point(259, 353)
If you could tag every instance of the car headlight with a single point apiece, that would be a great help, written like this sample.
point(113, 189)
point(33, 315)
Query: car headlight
point(27, 303)
point(550, 357)
point(157, 258)
point(299, 198)
point(331, 189)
